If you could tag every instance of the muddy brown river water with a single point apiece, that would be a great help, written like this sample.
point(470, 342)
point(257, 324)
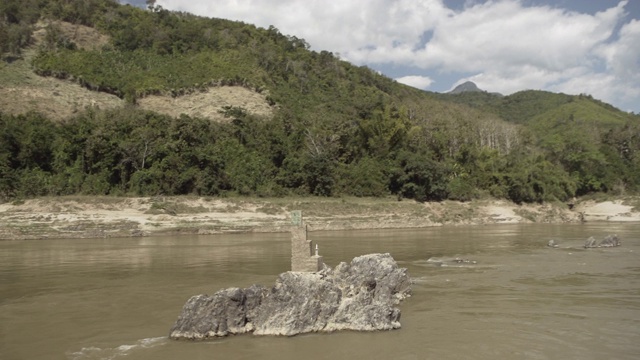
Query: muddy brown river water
point(117, 298)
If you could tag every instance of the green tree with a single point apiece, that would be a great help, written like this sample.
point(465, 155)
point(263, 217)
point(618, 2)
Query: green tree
point(418, 176)
point(366, 177)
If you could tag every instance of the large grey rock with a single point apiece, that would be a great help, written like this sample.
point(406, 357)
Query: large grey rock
point(358, 296)
point(609, 241)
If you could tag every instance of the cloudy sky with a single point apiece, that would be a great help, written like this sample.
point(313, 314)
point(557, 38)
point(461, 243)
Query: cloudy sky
point(570, 46)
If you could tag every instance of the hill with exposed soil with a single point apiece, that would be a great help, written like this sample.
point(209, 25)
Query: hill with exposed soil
point(22, 90)
point(98, 98)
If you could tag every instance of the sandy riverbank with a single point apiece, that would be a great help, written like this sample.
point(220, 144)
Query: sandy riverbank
point(97, 217)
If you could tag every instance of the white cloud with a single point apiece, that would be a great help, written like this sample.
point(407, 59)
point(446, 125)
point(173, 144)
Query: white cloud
point(384, 29)
point(495, 35)
point(620, 83)
point(505, 45)
point(417, 81)
point(623, 56)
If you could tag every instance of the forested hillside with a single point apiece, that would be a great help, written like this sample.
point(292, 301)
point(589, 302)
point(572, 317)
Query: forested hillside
point(337, 129)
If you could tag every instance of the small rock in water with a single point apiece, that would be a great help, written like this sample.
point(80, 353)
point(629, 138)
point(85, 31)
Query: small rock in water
point(609, 241)
point(445, 262)
point(464, 261)
point(590, 243)
point(552, 243)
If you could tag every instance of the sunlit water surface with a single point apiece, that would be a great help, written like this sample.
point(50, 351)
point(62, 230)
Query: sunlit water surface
point(117, 298)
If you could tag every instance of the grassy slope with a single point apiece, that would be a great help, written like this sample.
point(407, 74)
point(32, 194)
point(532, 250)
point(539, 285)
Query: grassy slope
point(308, 84)
point(583, 110)
point(543, 109)
point(21, 90)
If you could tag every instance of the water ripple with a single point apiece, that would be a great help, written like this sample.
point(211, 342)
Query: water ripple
point(96, 353)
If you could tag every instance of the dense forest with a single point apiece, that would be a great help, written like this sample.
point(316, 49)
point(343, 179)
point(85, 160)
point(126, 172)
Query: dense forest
point(337, 129)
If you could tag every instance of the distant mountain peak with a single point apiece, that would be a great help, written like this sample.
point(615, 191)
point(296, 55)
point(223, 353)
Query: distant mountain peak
point(467, 86)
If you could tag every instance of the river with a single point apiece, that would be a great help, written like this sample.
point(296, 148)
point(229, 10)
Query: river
point(117, 298)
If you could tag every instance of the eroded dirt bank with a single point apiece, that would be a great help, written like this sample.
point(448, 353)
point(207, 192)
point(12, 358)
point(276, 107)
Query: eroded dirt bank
point(98, 217)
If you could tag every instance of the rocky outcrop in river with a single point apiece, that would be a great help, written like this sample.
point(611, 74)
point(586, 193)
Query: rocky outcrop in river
point(359, 296)
point(609, 241)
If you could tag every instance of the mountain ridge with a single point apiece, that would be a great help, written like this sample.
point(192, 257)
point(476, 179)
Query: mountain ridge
point(329, 128)
point(467, 86)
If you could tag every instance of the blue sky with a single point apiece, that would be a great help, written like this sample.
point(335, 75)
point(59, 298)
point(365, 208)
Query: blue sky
point(569, 46)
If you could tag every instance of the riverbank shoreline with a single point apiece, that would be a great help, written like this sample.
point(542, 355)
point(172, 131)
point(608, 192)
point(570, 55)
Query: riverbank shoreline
point(103, 217)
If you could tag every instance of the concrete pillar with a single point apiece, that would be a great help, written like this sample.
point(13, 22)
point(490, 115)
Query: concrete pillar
point(302, 251)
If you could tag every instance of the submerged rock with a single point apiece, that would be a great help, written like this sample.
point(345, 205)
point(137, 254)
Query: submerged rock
point(609, 241)
point(358, 296)
point(590, 243)
point(446, 262)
